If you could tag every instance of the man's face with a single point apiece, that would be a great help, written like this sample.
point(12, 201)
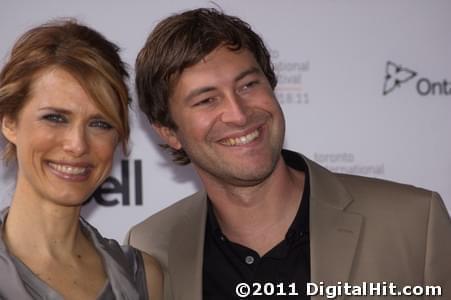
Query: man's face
point(228, 120)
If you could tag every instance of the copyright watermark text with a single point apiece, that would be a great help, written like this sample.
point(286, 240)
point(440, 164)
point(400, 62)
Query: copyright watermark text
point(244, 290)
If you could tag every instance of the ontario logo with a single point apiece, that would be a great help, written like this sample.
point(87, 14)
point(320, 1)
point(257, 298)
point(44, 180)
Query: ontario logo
point(397, 75)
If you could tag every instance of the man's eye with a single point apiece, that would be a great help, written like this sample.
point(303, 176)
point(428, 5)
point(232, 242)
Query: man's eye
point(249, 85)
point(101, 124)
point(55, 118)
point(204, 102)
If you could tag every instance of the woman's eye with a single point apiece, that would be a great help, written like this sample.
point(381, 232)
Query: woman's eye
point(101, 124)
point(55, 118)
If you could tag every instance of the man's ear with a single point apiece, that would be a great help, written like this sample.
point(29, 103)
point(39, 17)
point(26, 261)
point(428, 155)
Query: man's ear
point(168, 135)
point(9, 126)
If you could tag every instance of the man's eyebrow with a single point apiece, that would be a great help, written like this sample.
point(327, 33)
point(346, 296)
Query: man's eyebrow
point(252, 70)
point(199, 91)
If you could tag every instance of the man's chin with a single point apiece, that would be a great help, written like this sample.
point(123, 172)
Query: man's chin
point(248, 176)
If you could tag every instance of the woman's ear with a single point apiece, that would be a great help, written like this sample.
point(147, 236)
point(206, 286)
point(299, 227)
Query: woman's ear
point(168, 135)
point(9, 126)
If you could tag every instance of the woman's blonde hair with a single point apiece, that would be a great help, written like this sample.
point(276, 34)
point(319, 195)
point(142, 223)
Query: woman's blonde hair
point(77, 49)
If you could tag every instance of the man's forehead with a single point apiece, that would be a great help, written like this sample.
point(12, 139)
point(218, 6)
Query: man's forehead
point(222, 57)
point(227, 49)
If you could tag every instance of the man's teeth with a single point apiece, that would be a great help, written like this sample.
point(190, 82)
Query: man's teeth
point(242, 140)
point(70, 170)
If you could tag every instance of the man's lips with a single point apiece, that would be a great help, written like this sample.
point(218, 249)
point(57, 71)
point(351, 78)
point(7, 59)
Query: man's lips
point(241, 140)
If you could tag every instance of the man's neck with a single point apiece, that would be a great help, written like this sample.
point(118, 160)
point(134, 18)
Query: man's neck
point(258, 216)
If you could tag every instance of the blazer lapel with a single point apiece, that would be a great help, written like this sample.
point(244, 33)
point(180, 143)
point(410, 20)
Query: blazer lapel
point(185, 254)
point(334, 232)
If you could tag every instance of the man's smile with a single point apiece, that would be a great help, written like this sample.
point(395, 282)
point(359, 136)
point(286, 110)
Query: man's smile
point(241, 140)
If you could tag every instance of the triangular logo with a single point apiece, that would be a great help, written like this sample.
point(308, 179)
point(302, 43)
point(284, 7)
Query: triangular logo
point(395, 75)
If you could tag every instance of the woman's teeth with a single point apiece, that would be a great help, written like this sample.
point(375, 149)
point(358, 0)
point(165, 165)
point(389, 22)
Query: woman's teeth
point(70, 170)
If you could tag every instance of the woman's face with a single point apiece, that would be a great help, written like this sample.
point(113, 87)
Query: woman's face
point(65, 144)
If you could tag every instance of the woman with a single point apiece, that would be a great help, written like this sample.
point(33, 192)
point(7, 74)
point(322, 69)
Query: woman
point(63, 111)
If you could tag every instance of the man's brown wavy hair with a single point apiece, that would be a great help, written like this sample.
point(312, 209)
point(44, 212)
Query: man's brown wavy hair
point(181, 41)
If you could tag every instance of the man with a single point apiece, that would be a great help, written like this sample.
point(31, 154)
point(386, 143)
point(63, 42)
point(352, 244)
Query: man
point(267, 217)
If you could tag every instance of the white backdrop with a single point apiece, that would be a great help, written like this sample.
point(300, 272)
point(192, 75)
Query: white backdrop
point(365, 86)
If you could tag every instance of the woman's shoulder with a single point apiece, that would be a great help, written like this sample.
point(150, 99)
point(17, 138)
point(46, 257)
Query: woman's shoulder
point(144, 270)
point(147, 272)
point(154, 277)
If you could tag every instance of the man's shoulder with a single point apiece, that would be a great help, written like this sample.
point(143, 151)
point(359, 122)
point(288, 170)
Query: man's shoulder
point(385, 194)
point(368, 191)
point(361, 183)
point(155, 230)
point(170, 215)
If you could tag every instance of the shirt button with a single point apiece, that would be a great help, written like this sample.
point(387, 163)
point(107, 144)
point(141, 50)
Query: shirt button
point(249, 260)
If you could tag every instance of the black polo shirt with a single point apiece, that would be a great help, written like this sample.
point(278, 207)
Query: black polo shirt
point(285, 269)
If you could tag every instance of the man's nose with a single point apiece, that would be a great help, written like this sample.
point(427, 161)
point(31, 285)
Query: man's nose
point(235, 110)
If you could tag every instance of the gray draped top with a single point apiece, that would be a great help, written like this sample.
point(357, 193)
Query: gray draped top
point(123, 265)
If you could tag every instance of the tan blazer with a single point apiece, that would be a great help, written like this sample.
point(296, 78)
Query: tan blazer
point(361, 229)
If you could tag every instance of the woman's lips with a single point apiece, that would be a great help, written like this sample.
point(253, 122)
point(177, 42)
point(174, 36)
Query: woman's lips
point(77, 172)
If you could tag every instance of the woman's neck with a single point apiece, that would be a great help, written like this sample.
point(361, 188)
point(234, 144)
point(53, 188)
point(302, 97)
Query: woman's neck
point(41, 227)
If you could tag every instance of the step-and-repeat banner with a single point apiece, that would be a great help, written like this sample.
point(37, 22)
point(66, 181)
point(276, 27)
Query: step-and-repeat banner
point(365, 86)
